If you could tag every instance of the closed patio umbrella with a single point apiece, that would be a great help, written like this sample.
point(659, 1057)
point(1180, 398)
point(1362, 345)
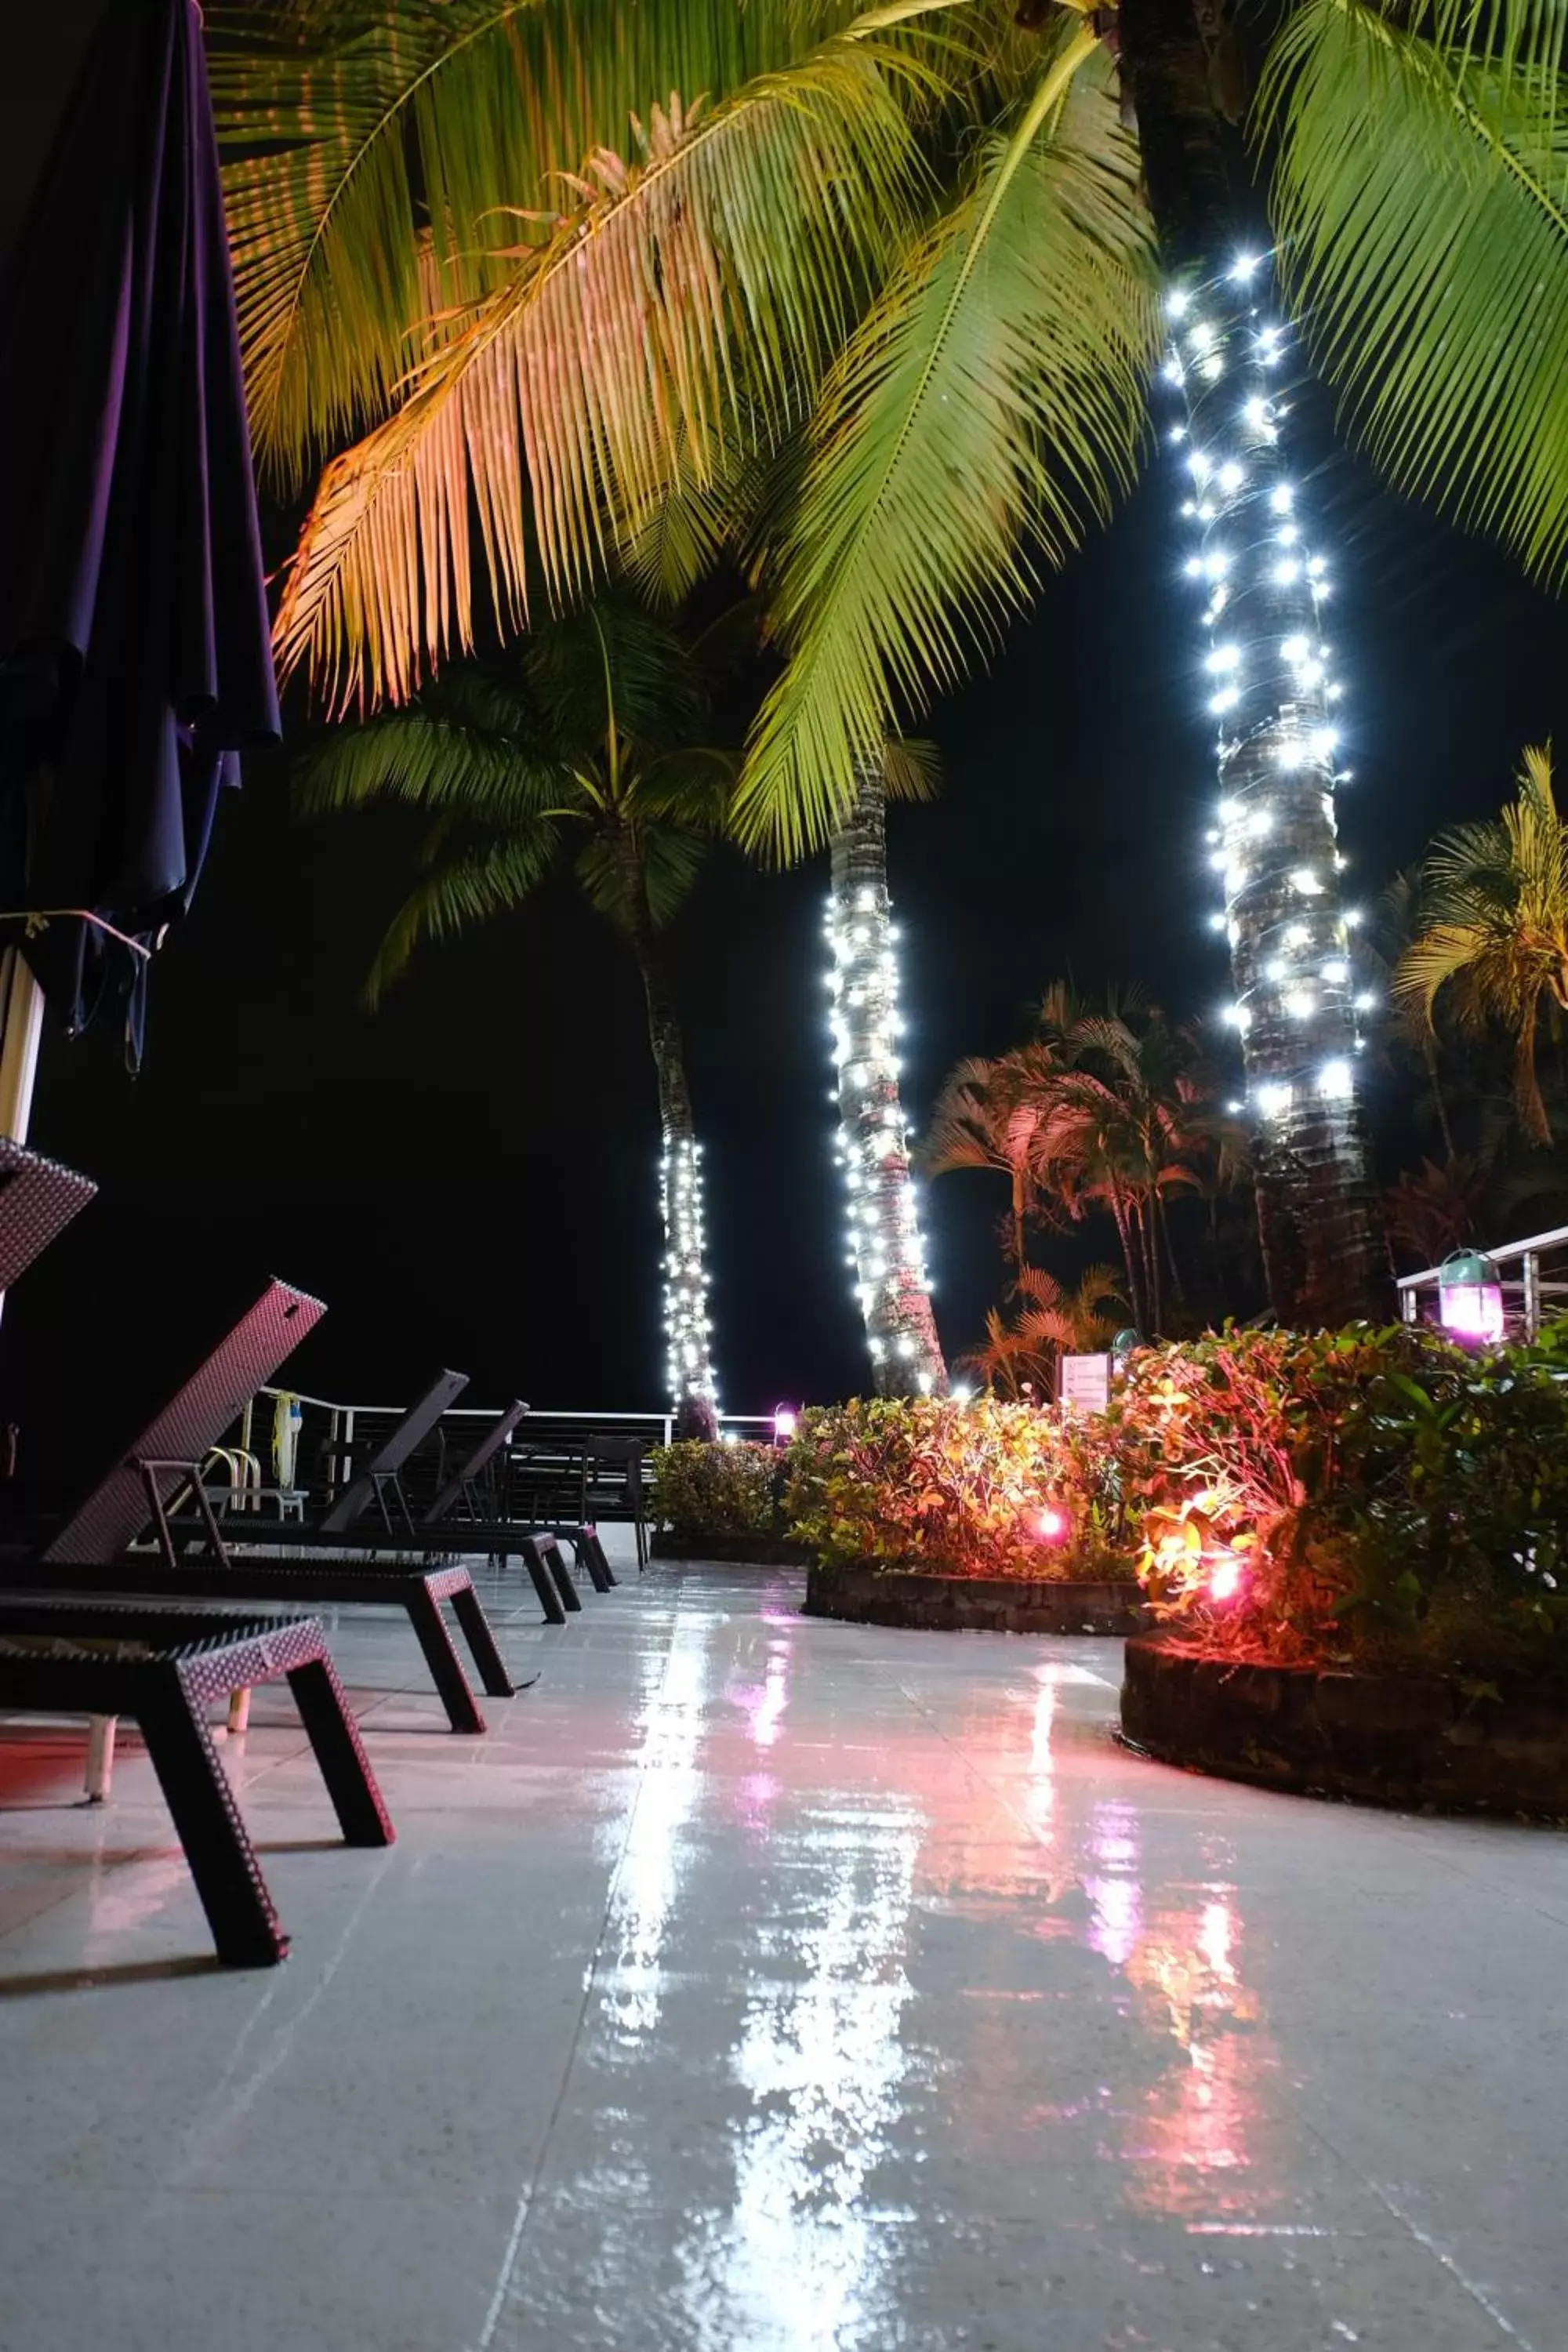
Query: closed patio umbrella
point(135, 660)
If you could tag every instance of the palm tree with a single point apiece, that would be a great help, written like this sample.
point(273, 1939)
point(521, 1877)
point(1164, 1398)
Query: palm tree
point(909, 246)
point(586, 745)
point(1494, 931)
point(1052, 1322)
point(891, 1282)
point(989, 1115)
point(1109, 1110)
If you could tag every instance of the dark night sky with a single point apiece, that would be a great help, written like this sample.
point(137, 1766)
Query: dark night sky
point(469, 1176)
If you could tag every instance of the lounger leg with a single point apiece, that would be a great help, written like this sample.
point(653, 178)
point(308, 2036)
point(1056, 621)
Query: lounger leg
point(549, 1599)
point(101, 1731)
point(599, 1568)
point(345, 1768)
point(239, 1712)
point(570, 1596)
point(446, 1666)
point(195, 1788)
point(469, 1611)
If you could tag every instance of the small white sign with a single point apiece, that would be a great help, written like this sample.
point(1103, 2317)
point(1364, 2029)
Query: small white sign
point(1086, 1382)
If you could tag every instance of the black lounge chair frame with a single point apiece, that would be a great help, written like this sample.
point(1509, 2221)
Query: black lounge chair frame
point(90, 1549)
point(166, 1668)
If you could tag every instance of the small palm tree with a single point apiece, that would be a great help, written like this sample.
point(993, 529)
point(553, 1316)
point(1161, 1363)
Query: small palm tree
point(584, 744)
point(1024, 1353)
point(1110, 1110)
point(1495, 930)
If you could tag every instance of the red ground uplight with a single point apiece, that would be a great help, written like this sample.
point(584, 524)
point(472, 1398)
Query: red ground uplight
point(1051, 1524)
point(1225, 1577)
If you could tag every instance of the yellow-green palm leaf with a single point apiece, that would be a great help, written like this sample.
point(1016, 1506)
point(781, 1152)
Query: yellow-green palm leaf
point(1422, 201)
point(385, 153)
point(596, 381)
point(1495, 927)
point(990, 402)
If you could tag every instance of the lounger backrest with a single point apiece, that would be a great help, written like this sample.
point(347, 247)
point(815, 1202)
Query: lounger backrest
point(478, 1461)
point(394, 1451)
point(115, 1510)
point(39, 1198)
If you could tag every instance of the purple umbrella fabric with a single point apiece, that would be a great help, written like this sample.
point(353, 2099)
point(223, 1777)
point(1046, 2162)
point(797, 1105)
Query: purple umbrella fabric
point(135, 655)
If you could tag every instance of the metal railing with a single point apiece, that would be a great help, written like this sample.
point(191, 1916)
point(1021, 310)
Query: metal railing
point(331, 1434)
point(1530, 1297)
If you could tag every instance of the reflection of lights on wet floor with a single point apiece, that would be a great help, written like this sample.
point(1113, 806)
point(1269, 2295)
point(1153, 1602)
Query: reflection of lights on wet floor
point(765, 1706)
point(671, 1721)
point(1113, 1889)
point(1214, 1939)
point(799, 2262)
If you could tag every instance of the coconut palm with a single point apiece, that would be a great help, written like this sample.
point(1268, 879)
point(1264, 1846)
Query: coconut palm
point(1494, 933)
point(891, 1286)
point(584, 747)
point(552, 260)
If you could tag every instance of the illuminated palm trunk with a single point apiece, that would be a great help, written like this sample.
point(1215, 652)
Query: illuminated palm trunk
point(1271, 691)
point(885, 1245)
point(1261, 583)
point(688, 1332)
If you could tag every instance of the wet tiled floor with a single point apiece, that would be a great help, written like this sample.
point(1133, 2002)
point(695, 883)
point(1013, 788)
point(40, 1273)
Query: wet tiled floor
point(767, 1985)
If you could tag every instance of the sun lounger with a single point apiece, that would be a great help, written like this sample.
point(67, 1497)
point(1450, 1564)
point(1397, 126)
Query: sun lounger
point(463, 1486)
point(90, 1552)
point(166, 1668)
point(39, 1198)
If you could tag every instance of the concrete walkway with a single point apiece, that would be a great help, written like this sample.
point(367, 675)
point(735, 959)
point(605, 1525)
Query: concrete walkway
point(764, 1985)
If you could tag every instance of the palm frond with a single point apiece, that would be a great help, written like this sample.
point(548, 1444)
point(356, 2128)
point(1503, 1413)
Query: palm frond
point(437, 759)
point(385, 153)
point(468, 885)
point(1422, 204)
point(911, 768)
point(598, 380)
point(990, 401)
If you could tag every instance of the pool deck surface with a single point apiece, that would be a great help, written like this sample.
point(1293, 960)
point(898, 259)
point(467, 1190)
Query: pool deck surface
point(767, 1984)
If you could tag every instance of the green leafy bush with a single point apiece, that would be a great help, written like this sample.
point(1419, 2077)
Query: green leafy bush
point(716, 1490)
point(1350, 1495)
point(981, 1488)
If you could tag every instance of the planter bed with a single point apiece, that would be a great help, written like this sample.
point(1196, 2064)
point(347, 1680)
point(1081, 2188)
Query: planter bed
point(747, 1552)
point(973, 1605)
point(1392, 1739)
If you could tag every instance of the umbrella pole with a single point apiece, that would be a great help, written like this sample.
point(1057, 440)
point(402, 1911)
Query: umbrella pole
point(21, 1030)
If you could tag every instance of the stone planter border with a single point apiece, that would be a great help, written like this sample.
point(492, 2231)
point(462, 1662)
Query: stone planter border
point(932, 1603)
point(1419, 1743)
point(745, 1551)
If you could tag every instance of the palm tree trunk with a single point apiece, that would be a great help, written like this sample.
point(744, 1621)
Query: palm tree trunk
point(1136, 1295)
point(1325, 1252)
point(884, 1230)
point(1440, 1101)
point(692, 1385)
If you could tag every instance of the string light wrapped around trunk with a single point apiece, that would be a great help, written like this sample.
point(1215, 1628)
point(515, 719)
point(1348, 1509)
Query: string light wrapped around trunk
point(688, 1330)
point(891, 1286)
point(1271, 690)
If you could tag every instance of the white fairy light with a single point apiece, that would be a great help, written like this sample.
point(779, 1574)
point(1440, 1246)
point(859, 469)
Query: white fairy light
point(688, 1325)
point(1268, 691)
point(1336, 1080)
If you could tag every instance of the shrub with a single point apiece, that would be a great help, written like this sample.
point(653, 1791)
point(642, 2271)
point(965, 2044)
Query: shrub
point(978, 1490)
point(1355, 1495)
point(716, 1490)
